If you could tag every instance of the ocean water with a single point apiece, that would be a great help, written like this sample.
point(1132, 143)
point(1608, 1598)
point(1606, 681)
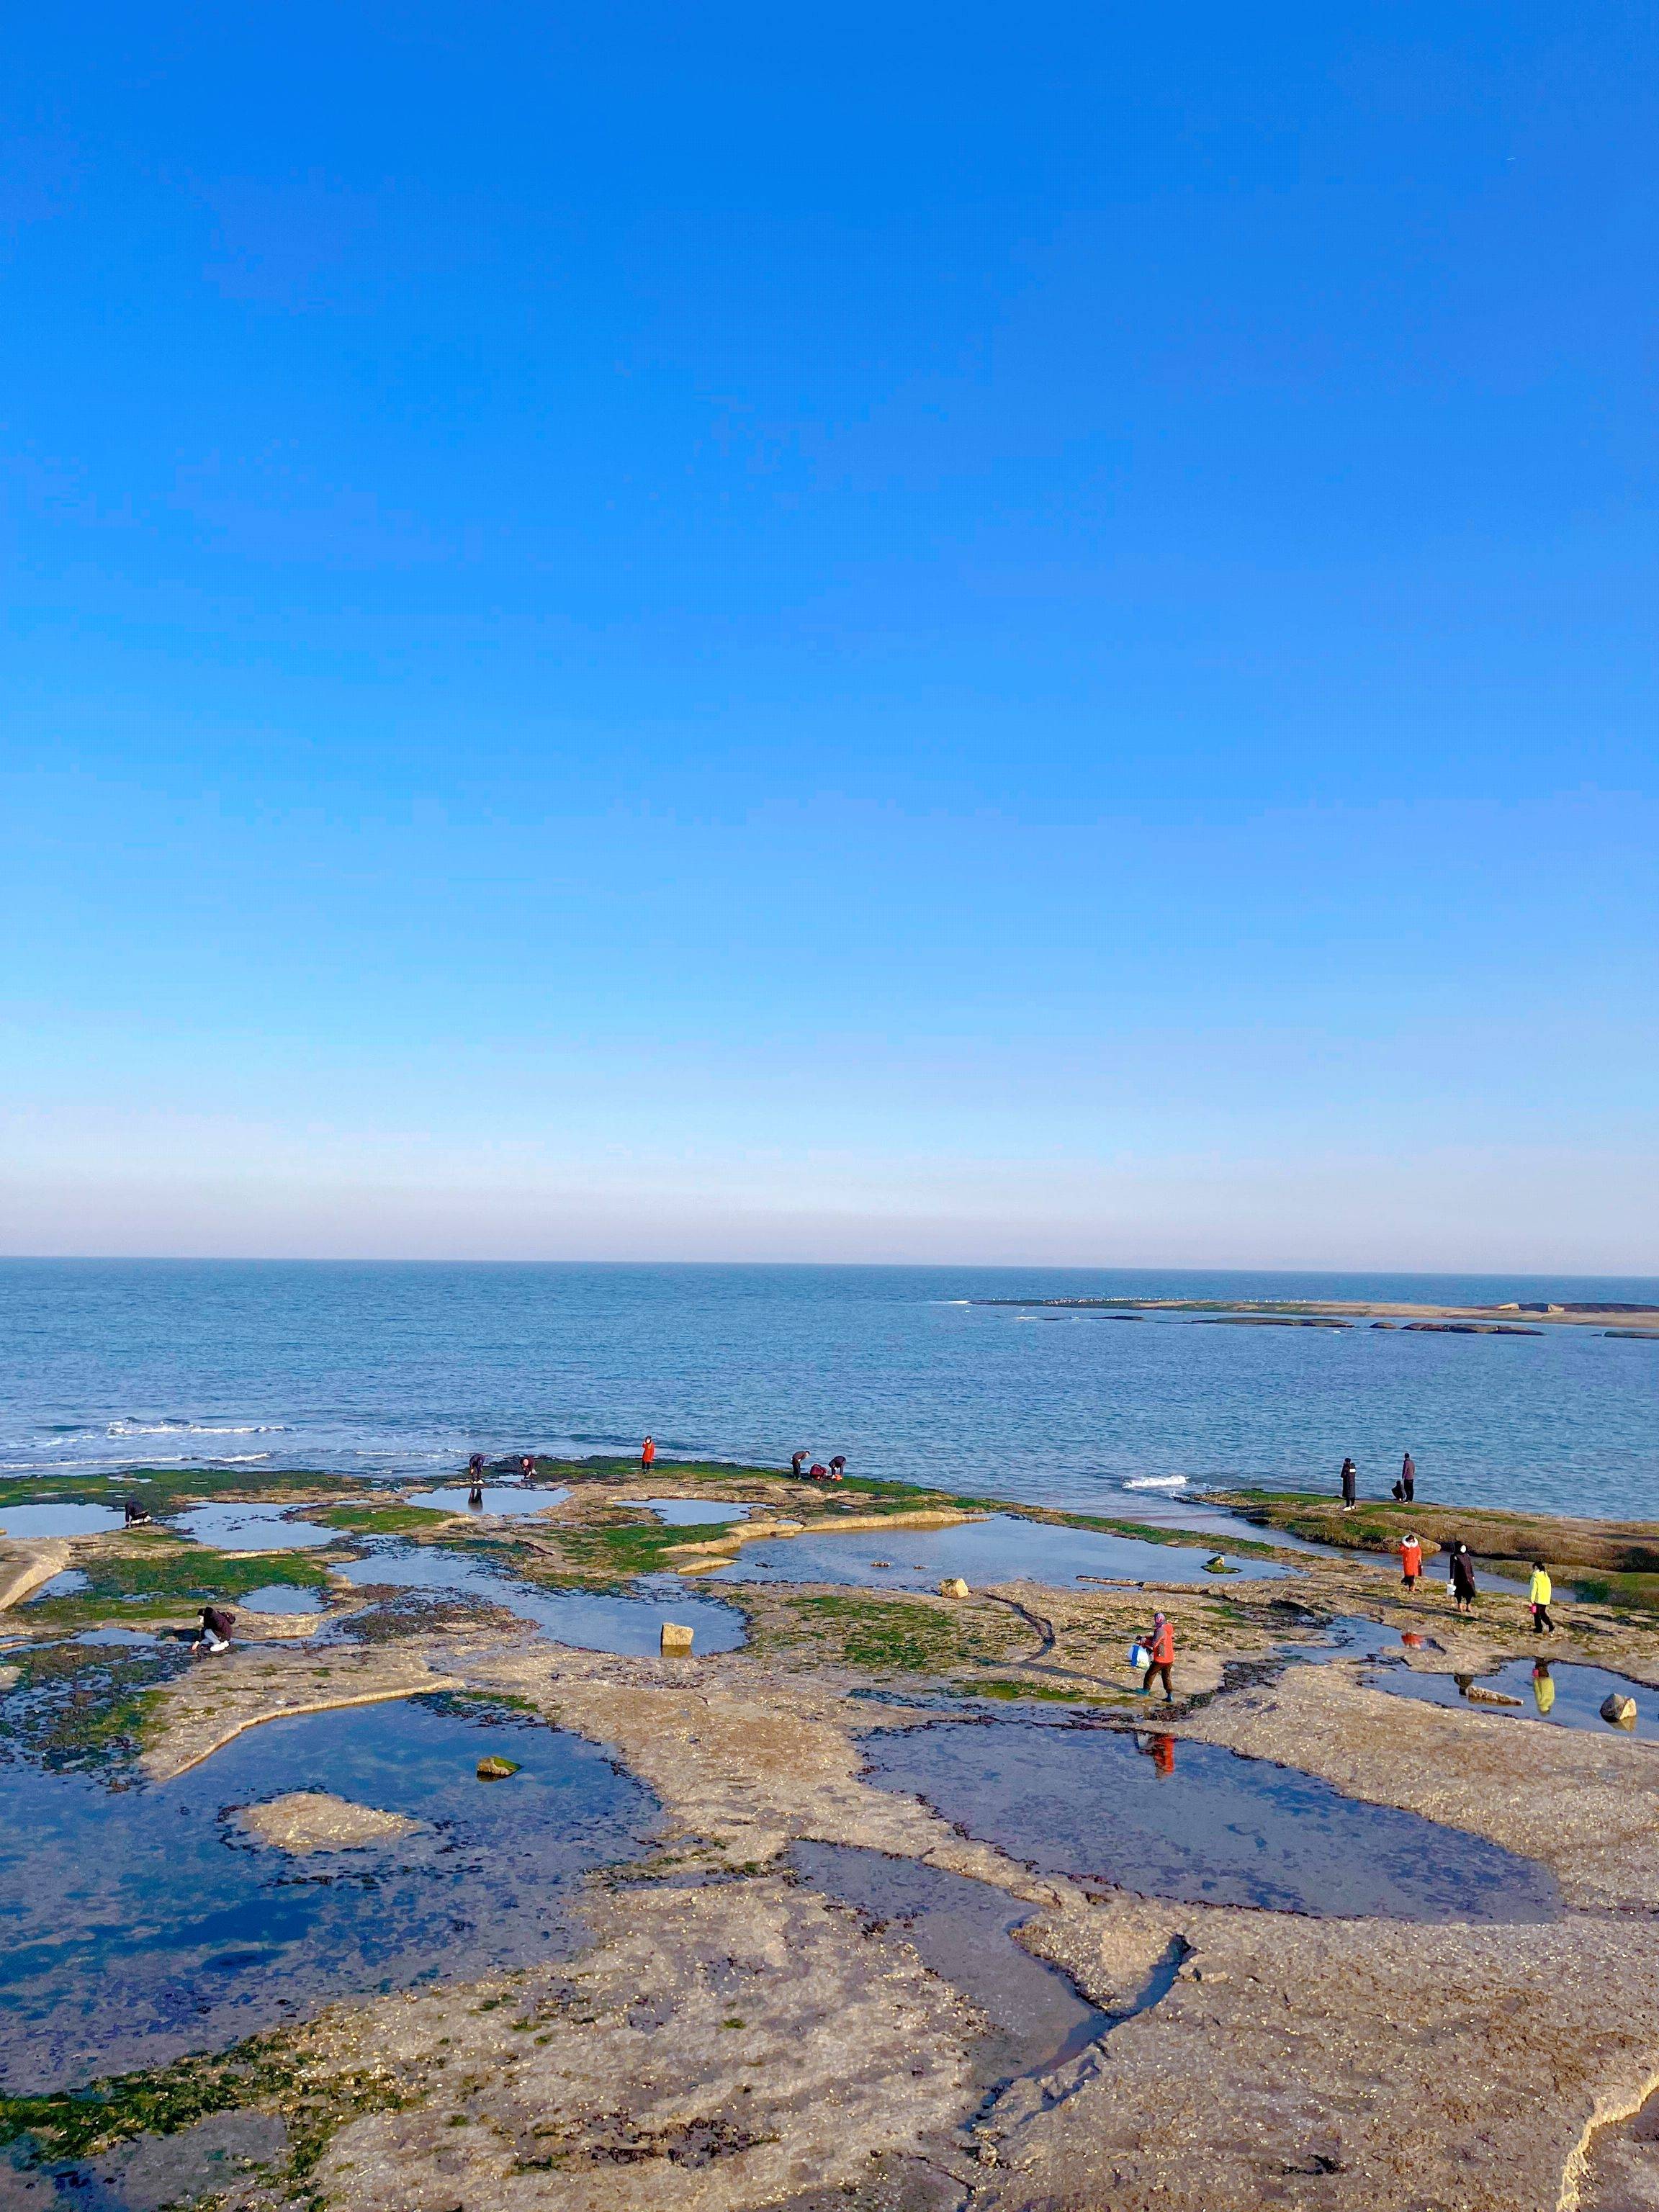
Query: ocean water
point(403, 1370)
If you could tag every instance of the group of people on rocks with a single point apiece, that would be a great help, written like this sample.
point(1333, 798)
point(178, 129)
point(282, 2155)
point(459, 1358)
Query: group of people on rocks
point(1461, 1585)
point(820, 1471)
point(1405, 1487)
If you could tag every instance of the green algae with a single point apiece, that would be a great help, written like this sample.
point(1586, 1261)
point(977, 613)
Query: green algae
point(1011, 1693)
point(608, 1553)
point(395, 1519)
point(270, 2074)
point(80, 1708)
point(154, 1575)
point(885, 1636)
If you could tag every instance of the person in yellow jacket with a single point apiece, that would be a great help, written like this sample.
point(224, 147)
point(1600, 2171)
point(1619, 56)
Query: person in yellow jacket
point(1538, 1597)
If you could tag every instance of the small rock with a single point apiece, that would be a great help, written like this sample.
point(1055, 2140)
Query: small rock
point(1477, 1696)
point(494, 1769)
point(314, 1821)
point(1620, 1711)
point(675, 1641)
point(953, 1586)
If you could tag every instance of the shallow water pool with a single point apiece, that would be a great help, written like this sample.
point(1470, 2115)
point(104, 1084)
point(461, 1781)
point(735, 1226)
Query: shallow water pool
point(505, 1499)
point(144, 1922)
point(1001, 1549)
point(963, 1930)
point(591, 1620)
point(1166, 1818)
point(692, 1512)
point(1565, 1694)
point(249, 1528)
point(283, 1597)
point(25, 1522)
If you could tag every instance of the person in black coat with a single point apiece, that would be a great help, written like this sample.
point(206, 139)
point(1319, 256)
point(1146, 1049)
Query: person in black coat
point(1462, 1577)
point(1350, 1484)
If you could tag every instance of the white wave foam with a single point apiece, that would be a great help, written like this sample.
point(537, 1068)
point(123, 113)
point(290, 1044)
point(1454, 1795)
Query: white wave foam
point(195, 1429)
point(1155, 1482)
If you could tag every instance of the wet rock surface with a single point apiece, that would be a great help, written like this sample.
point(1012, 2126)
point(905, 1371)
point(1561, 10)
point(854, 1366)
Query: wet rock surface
point(307, 1820)
point(801, 1989)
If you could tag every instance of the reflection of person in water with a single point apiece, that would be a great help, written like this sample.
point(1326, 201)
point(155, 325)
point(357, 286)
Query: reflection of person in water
point(1543, 1687)
point(475, 1479)
point(1160, 1749)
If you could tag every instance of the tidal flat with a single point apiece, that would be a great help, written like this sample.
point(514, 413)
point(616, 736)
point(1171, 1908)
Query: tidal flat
point(882, 1898)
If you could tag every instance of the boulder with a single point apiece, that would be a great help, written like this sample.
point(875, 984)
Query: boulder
point(675, 1641)
point(492, 1769)
point(1619, 1710)
point(314, 1821)
point(953, 1586)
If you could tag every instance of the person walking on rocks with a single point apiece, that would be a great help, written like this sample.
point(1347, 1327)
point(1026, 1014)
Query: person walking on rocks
point(1462, 1578)
point(1410, 1563)
point(647, 1455)
point(1350, 1484)
point(1163, 1650)
point(1539, 1594)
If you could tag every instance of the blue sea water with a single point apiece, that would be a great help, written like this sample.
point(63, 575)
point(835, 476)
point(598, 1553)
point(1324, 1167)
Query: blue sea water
point(405, 1368)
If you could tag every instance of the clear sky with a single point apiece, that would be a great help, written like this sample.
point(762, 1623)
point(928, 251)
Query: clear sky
point(863, 633)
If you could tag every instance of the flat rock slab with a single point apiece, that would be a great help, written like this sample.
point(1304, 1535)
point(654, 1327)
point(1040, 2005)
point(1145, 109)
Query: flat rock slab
point(312, 1821)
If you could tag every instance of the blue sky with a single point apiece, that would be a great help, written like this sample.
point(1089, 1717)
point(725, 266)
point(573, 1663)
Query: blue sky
point(664, 632)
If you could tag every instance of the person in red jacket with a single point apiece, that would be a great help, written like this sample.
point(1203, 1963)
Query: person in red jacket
point(647, 1456)
point(1410, 1563)
point(1163, 1648)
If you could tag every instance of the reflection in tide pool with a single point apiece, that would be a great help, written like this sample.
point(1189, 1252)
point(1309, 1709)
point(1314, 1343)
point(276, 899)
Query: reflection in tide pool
point(144, 1922)
point(1566, 1693)
point(1190, 1820)
point(591, 1620)
point(507, 1499)
point(1000, 1549)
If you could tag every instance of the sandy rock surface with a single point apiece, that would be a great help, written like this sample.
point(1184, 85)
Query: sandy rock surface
point(307, 1820)
point(25, 1566)
point(719, 2049)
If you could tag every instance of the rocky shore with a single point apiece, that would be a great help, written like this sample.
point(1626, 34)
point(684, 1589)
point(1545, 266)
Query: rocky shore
point(733, 2039)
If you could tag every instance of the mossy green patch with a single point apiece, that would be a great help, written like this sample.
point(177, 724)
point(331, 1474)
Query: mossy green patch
point(170, 1570)
point(395, 1519)
point(85, 1707)
point(271, 2073)
point(888, 1636)
point(1008, 1692)
point(164, 1579)
point(615, 1550)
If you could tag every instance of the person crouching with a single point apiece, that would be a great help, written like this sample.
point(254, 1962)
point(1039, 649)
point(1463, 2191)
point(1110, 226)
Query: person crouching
point(215, 1633)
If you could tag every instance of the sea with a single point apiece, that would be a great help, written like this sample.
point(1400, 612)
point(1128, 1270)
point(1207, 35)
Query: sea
point(399, 1371)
